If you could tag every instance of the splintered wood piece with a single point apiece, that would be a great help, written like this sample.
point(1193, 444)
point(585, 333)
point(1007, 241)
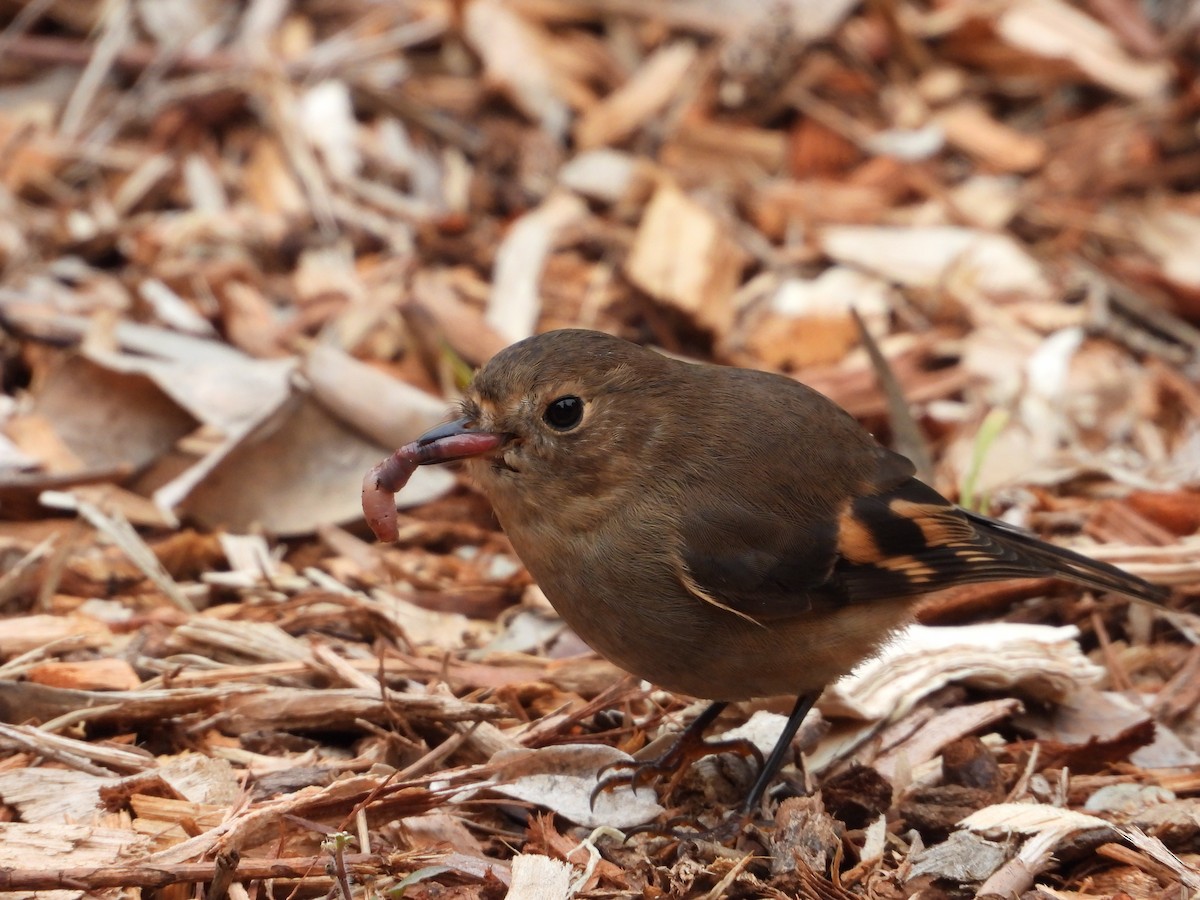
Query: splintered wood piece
point(685, 257)
point(299, 709)
point(42, 847)
point(516, 59)
point(515, 300)
point(87, 675)
point(1055, 30)
point(26, 634)
point(630, 107)
point(969, 127)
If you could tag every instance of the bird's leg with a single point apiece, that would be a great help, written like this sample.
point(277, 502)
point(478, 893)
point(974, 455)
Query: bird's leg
point(767, 773)
point(688, 747)
point(732, 826)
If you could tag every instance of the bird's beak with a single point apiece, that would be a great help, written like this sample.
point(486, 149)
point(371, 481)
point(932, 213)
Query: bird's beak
point(456, 440)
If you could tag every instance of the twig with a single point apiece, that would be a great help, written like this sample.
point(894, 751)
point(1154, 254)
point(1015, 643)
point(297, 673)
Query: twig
point(89, 878)
point(908, 437)
point(118, 29)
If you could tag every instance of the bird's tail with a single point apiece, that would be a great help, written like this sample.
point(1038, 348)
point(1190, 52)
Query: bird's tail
point(1067, 564)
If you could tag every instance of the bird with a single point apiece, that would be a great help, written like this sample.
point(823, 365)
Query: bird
point(721, 532)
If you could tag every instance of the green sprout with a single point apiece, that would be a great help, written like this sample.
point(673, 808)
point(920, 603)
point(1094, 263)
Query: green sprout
point(993, 423)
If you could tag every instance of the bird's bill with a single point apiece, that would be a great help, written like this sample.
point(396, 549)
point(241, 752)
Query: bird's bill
point(455, 440)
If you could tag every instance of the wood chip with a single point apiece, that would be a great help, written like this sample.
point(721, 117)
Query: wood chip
point(684, 256)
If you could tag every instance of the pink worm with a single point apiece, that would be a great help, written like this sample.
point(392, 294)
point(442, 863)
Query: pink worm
point(384, 480)
point(379, 491)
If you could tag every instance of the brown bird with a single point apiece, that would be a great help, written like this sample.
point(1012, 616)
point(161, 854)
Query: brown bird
point(721, 532)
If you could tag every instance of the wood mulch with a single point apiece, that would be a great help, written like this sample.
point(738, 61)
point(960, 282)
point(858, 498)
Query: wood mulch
point(247, 249)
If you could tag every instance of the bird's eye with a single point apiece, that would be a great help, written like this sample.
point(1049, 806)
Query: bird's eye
point(563, 413)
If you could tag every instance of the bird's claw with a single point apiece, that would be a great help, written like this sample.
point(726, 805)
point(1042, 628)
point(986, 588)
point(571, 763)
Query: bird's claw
point(686, 750)
point(640, 774)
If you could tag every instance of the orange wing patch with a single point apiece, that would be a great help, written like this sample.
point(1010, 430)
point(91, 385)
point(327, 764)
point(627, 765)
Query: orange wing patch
point(910, 567)
point(941, 529)
point(856, 544)
point(940, 525)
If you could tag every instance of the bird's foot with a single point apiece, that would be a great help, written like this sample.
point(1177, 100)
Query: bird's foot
point(673, 764)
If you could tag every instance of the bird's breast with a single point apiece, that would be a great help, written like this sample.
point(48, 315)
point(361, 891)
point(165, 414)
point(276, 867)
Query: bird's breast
point(614, 585)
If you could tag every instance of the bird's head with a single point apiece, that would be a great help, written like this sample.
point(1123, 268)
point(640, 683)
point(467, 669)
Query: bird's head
point(561, 415)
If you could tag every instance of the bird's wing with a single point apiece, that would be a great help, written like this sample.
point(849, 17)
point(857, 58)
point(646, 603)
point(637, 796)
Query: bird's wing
point(889, 545)
point(766, 551)
point(908, 540)
point(897, 538)
point(753, 565)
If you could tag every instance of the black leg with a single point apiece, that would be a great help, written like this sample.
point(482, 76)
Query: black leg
point(766, 774)
point(699, 725)
point(688, 747)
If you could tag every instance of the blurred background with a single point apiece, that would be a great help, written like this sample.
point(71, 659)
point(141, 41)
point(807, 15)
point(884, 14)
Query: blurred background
point(249, 248)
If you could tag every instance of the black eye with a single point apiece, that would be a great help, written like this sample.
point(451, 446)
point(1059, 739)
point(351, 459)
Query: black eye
point(564, 413)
